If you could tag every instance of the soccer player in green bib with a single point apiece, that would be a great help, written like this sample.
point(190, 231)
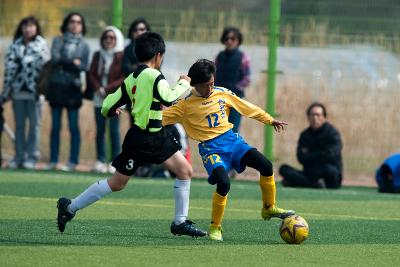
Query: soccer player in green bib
point(146, 141)
point(204, 115)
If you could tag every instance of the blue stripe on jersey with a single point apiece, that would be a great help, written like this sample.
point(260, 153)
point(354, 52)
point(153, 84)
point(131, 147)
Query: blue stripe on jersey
point(219, 88)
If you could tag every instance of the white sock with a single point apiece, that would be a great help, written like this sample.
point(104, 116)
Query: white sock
point(181, 192)
point(93, 193)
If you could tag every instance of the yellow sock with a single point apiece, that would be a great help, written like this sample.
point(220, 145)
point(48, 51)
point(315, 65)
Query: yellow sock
point(268, 190)
point(218, 208)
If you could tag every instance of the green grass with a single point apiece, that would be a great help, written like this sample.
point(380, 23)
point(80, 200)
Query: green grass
point(351, 226)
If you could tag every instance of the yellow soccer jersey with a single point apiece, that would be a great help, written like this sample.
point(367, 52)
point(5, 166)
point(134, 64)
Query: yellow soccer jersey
point(206, 118)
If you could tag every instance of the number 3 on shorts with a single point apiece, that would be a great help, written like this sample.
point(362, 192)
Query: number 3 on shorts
point(129, 166)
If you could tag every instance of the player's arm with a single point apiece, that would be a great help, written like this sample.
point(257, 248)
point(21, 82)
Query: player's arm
point(248, 109)
point(10, 70)
point(167, 95)
point(252, 111)
point(114, 101)
point(173, 114)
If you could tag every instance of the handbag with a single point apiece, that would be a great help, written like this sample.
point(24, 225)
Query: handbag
point(44, 77)
point(64, 88)
point(88, 92)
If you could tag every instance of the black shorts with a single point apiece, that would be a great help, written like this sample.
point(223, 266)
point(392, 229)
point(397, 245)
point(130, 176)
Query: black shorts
point(142, 147)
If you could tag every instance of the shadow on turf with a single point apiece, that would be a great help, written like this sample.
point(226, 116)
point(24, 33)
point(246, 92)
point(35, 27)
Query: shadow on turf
point(156, 233)
point(128, 233)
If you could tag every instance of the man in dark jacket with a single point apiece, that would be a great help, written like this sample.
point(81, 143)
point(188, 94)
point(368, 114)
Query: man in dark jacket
point(319, 151)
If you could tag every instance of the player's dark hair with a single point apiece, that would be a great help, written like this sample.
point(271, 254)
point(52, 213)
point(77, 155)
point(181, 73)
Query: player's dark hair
point(316, 104)
point(64, 26)
point(201, 71)
point(148, 45)
point(25, 21)
point(233, 30)
point(134, 25)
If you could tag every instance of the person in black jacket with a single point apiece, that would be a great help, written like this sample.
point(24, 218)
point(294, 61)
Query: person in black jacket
point(233, 69)
point(130, 62)
point(319, 151)
point(70, 58)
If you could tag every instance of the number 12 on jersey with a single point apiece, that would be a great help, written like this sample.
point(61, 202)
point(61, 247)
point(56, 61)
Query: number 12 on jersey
point(212, 120)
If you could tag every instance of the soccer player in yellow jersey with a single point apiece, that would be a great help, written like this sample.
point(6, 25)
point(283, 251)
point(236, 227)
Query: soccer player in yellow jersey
point(204, 115)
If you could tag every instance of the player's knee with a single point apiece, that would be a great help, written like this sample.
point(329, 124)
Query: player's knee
point(266, 168)
point(118, 182)
point(115, 187)
point(220, 176)
point(223, 186)
point(185, 172)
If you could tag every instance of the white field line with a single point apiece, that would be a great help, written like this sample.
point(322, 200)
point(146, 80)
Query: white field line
point(148, 205)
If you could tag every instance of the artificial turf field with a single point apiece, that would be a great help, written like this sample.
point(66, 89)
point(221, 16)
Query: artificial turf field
point(349, 227)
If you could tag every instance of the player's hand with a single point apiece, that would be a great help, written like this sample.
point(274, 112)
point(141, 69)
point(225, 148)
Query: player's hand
point(118, 111)
point(279, 125)
point(77, 62)
point(102, 91)
point(185, 77)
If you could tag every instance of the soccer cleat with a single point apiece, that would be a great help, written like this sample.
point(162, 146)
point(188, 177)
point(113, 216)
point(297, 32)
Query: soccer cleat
point(63, 215)
point(273, 211)
point(215, 233)
point(187, 228)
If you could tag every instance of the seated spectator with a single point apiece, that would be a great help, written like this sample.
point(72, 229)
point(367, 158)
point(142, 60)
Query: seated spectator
point(319, 151)
point(388, 175)
point(104, 77)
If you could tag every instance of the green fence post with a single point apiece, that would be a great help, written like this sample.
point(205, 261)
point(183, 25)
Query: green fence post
point(117, 13)
point(273, 42)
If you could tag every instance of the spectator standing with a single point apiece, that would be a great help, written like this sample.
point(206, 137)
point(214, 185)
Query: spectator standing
point(70, 57)
point(319, 151)
point(105, 76)
point(130, 61)
point(23, 63)
point(233, 69)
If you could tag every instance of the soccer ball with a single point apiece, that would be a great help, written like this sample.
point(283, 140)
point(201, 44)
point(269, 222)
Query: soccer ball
point(294, 229)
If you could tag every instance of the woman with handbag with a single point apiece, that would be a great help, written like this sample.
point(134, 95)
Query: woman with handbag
point(23, 63)
point(104, 77)
point(70, 57)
